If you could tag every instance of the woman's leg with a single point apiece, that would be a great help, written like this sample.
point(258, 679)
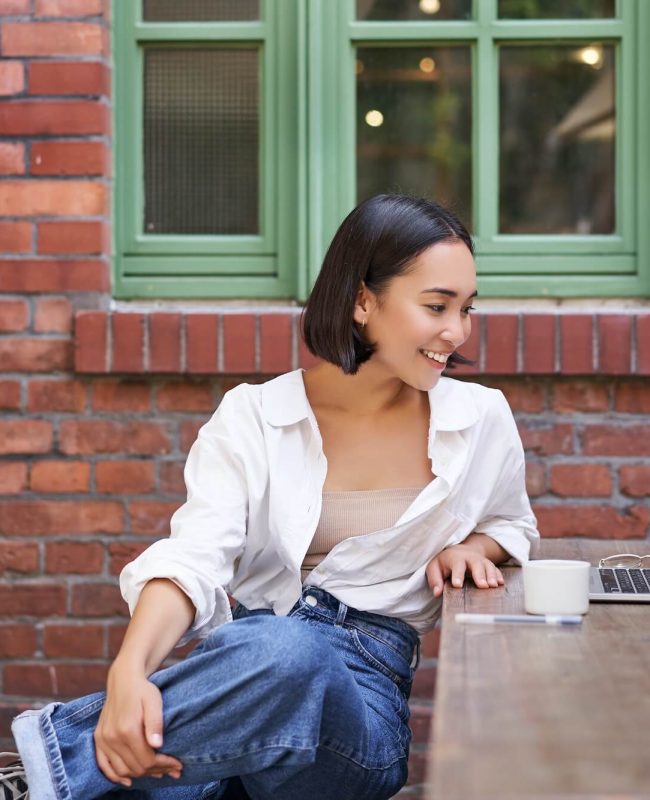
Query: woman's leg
point(260, 694)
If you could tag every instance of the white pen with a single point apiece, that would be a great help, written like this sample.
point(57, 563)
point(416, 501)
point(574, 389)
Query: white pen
point(541, 619)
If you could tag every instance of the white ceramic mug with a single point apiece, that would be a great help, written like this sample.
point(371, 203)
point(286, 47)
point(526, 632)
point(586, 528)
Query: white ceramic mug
point(556, 586)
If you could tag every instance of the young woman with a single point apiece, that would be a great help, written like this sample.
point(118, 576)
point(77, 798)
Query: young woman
point(332, 504)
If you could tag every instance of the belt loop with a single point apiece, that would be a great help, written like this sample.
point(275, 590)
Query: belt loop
point(341, 614)
point(416, 655)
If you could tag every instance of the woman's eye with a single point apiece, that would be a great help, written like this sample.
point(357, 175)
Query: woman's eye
point(436, 308)
point(468, 309)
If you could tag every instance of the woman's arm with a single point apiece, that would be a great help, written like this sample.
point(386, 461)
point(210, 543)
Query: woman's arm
point(130, 725)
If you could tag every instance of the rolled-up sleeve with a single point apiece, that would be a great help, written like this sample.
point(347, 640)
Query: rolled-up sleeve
point(508, 517)
point(208, 531)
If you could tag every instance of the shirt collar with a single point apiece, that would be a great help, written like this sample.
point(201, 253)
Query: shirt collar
point(284, 402)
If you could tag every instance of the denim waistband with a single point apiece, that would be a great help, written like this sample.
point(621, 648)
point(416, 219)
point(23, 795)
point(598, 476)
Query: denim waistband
point(391, 630)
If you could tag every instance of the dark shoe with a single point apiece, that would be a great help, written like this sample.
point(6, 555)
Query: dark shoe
point(13, 785)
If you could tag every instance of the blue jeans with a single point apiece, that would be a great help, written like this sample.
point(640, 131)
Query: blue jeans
point(309, 705)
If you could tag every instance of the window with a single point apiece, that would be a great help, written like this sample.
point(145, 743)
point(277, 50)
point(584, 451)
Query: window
point(248, 128)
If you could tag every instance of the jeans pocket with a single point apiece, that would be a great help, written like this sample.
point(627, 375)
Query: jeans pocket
point(382, 656)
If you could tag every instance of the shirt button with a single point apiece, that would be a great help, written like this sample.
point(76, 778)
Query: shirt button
point(311, 600)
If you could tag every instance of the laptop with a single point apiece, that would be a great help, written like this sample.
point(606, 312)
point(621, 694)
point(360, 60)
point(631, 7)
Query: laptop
point(619, 584)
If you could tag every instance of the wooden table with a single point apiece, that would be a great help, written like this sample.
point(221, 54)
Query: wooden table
point(540, 711)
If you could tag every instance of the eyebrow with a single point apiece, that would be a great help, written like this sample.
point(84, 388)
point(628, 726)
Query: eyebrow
point(448, 292)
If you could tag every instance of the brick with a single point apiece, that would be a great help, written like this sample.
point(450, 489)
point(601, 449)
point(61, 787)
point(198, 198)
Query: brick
point(75, 558)
point(60, 680)
point(12, 77)
point(14, 7)
point(418, 762)
point(12, 158)
point(430, 644)
point(121, 395)
point(547, 439)
point(60, 476)
point(68, 8)
point(52, 198)
point(88, 437)
point(632, 440)
point(32, 599)
point(471, 349)
point(171, 478)
point(634, 480)
point(13, 477)
point(51, 38)
point(189, 432)
point(53, 315)
point(535, 479)
point(115, 639)
point(600, 521)
point(632, 397)
point(74, 680)
point(539, 343)
point(424, 682)
point(276, 343)
point(10, 395)
point(49, 275)
point(25, 436)
point(501, 343)
point(36, 517)
point(68, 78)
point(122, 553)
point(202, 342)
point(643, 344)
point(73, 641)
point(15, 237)
point(307, 359)
point(125, 477)
point(35, 355)
point(56, 395)
point(576, 344)
point(18, 557)
point(128, 342)
point(98, 600)
point(17, 641)
point(151, 516)
point(420, 722)
point(185, 396)
point(581, 480)
point(570, 396)
point(71, 237)
point(164, 342)
point(69, 158)
point(91, 341)
point(523, 394)
point(54, 117)
point(14, 316)
point(614, 343)
point(238, 343)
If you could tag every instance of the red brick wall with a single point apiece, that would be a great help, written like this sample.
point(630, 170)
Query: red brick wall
point(98, 410)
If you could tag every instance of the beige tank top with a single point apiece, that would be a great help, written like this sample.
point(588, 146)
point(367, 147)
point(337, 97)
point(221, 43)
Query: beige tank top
point(347, 514)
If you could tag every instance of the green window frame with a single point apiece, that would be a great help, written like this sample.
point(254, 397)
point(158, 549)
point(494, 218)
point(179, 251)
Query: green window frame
point(308, 158)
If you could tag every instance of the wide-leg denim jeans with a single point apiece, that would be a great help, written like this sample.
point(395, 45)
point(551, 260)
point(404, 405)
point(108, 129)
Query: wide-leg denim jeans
point(309, 705)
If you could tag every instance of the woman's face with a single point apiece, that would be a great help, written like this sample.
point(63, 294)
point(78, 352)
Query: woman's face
point(424, 315)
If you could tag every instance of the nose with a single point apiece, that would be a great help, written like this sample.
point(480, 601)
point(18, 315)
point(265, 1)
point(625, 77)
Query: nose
point(457, 330)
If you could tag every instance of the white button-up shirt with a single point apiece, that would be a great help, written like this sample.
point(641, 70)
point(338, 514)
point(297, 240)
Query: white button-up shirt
point(255, 479)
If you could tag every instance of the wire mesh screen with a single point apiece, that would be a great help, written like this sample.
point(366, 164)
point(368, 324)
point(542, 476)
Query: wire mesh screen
point(201, 140)
point(200, 10)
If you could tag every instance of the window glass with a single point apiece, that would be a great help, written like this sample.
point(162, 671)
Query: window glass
point(557, 139)
point(556, 9)
point(200, 10)
point(414, 123)
point(413, 9)
point(201, 140)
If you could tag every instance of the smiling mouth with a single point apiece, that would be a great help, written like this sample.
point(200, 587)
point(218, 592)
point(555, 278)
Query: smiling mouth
point(436, 359)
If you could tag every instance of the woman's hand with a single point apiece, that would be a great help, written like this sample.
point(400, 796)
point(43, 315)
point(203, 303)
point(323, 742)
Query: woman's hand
point(455, 561)
point(130, 727)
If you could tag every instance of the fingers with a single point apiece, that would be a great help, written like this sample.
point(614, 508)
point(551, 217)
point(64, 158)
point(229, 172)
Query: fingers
point(486, 575)
point(107, 768)
point(434, 575)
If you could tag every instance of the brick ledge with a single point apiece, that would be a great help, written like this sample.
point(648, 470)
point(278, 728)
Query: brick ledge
point(267, 342)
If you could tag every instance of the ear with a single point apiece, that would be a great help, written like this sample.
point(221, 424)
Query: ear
point(363, 304)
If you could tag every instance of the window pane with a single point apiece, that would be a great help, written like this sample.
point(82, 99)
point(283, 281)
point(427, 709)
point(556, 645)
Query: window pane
point(200, 10)
point(556, 9)
point(414, 9)
point(201, 137)
point(414, 123)
point(557, 139)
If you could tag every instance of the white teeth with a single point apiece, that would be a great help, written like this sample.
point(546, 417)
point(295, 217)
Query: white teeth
point(441, 357)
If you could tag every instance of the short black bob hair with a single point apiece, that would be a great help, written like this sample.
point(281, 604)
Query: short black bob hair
point(375, 243)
